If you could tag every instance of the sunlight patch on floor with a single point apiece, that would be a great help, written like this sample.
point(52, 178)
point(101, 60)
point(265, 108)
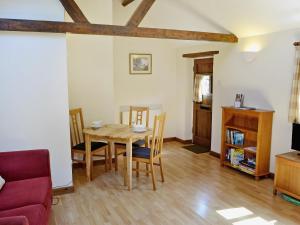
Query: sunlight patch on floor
point(234, 213)
point(255, 221)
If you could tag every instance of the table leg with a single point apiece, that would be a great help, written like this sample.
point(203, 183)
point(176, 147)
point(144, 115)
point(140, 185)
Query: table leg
point(129, 163)
point(111, 149)
point(88, 157)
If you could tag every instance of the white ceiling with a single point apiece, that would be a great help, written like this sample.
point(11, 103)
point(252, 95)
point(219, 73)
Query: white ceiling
point(241, 17)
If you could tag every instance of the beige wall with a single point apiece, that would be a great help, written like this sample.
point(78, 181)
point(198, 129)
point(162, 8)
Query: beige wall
point(90, 66)
point(157, 88)
point(33, 88)
point(266, 83)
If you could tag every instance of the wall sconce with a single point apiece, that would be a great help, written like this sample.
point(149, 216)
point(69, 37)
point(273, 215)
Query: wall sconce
point(250, 52)
point(249, 56)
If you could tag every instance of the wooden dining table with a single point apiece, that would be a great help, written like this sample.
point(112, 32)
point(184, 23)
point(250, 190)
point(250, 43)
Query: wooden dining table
point(113, 133)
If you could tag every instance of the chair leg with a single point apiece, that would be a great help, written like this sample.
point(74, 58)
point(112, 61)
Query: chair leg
point(153, 176)
point(137, 169)
point(147, 170)
point(125, 170)
point(161, 170)
point(116, 159)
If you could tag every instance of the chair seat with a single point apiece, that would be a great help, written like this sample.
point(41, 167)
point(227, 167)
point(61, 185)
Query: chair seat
point(136, 144)
point(141, 152)
point(94, 146)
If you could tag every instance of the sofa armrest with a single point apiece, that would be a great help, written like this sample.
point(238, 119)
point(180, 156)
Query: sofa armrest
point(20, 165)
point(16, 220)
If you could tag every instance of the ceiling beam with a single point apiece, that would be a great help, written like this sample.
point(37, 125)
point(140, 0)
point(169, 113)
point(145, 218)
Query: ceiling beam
point(126, 2)
point(200, 54)
point(140, 13)
point(111, 30)
point(74, 11)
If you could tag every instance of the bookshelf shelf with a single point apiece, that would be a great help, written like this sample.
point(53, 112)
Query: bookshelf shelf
point(226, 163)
point(242, 129)
point(244, 147)
point(246, 140)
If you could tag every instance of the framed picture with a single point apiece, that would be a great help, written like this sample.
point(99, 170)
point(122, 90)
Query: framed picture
point(140, 63)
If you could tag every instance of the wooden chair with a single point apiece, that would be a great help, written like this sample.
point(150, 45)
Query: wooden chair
point(150, 155)
point(99, 149)
point(138, 112)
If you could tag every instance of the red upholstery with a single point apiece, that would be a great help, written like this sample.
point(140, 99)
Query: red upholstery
point(36, 214)
point(16, 220)
point(24, 165)
point(20, 193)
point(28, 190)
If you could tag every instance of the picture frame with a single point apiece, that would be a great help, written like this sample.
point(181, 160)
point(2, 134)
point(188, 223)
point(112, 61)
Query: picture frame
point(140, 64)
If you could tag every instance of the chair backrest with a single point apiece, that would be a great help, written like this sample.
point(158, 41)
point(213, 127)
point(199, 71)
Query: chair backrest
point(158, 134)
point(138, 112)
point(76, 126)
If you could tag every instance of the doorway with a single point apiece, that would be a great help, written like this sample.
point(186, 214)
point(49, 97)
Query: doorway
point(202, 102)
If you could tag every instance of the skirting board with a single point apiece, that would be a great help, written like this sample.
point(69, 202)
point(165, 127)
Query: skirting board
point(63, 191)
point(185, 142)
point(215, 154)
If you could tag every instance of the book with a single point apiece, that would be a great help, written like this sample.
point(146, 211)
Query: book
point(235, 137)
point(237, 155)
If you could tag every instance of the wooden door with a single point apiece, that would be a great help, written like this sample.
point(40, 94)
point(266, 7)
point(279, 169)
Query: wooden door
point(202, 117)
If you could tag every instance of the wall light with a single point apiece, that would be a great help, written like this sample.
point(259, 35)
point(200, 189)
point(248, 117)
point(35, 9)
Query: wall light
point(250, 52)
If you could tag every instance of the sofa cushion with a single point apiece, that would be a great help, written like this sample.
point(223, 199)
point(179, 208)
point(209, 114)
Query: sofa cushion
point(21, 193)
point(14, 220)
point(36, 214)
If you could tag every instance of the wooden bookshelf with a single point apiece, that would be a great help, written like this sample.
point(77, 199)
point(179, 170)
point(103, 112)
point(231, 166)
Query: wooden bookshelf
point(256, 126)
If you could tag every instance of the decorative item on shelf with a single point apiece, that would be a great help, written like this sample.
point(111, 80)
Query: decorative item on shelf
point(239, 101)
point(140, 63)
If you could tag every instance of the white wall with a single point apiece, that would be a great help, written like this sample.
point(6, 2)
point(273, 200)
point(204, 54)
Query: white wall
point(33, 88)
point(266, 82)
point(157, 88)
point(90, 66)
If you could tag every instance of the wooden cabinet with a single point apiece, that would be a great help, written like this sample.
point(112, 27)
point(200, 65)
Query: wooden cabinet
point(255, 126)
point(287, 174)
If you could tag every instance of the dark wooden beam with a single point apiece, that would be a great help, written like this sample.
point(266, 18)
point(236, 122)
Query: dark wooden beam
point(74, 11)
point(297, 43)
point(140, 13)
point(126, 2)
point(111, 30)
point(200, 54)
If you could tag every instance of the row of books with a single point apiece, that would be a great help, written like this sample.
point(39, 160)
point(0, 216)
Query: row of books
point(235, 137)
point(234, 156)
point(237, 159)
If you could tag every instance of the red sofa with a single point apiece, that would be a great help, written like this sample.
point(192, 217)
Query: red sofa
point(26, 197)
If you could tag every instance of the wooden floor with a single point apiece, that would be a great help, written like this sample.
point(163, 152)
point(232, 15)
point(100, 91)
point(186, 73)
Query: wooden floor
point(195, 191)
